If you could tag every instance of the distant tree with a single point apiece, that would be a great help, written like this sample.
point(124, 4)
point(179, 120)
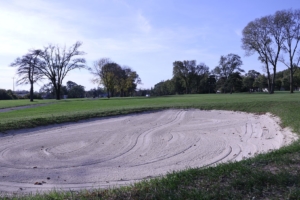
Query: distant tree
point(47, 90)
point(127, 81)
point(115, 78)
point(249, 79)
point(7, 94)
point(107, 73)
point(28, 69)
point(227, 65)
point(132, 79)
point(261, 82)
point(95, 92)
point(71, 84)
point(211, 81)
point(189, 73)
point(252, 73)
point(234, 82)
point(76, 91)
point(58, 62)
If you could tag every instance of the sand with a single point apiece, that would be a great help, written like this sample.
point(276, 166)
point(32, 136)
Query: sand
point(121, 150)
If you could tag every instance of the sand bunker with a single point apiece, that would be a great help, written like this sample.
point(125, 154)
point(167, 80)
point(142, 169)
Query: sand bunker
point(121, 150)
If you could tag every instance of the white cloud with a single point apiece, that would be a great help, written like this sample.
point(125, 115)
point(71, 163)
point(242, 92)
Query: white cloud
point(143, 24)
point(238, 32)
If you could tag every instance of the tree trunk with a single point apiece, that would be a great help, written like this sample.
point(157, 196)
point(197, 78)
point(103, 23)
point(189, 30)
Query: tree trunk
point(273, 82)
point(58, 92)
point(31, 92)
point(291, 80)
point(269, 79)
point(107, 93)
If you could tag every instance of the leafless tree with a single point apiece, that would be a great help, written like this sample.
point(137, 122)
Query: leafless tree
point(28, 69)
point(58, 62)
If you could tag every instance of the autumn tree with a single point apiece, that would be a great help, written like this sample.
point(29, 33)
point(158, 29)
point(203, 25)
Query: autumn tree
point(114, 77)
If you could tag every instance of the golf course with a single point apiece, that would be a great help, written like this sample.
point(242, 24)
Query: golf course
point(188, 171)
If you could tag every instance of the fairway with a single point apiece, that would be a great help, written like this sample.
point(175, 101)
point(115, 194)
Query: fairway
point(175, 135)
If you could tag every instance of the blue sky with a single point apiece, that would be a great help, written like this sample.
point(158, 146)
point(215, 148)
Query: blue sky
point(146, 35)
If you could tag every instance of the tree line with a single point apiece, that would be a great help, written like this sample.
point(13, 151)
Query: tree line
point(275, 38)
point(227, 77)
point(54, 63)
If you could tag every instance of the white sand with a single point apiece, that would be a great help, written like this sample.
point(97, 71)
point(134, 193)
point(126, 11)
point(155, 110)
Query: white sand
point(120, 150)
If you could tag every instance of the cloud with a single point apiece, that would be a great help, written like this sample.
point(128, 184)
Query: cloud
point(143, 23)
point(238, 32)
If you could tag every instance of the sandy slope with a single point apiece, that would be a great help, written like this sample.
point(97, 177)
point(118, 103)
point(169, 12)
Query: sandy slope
point(121, 150)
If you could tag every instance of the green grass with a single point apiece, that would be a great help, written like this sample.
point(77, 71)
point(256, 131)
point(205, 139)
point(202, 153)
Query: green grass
point(275, 175)
point(23, 102)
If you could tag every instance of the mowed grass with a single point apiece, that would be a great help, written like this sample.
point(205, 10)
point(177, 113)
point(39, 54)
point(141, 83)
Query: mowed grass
point(23, 102)
point(77, 109)
point(275, 175)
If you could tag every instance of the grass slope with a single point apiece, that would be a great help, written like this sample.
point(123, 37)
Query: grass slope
point(274, 175)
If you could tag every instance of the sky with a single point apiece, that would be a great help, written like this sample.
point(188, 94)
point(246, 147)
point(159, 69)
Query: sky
point(146, 35)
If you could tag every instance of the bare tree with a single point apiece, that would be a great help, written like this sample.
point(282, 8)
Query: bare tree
point(28, 69)
point(58, 62)
point(291, 32)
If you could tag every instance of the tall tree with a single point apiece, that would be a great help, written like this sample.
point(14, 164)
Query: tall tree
point(291, 32)
point(28, 69)
point(58, 62)
point(264, 36)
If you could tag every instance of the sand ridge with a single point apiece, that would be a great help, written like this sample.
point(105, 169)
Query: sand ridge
point(121, 150)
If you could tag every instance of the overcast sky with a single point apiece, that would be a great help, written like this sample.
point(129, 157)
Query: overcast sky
point(146, 35)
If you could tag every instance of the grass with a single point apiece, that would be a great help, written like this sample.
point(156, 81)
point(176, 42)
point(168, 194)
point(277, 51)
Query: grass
point(275, 175)
point(23, 102)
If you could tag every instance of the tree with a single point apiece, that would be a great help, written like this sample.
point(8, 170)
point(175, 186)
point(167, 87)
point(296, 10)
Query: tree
point(58, 62)
point(189, 73)
point(28, 69)
point(234, 82)
point(131, 80)
point(291, 32)
point(211, 81)
point(115, 78)
point(248, 80)
point(71, 84)
point(260, 82)
point(76, 92)
point(227, 65)
point(107, 73)
point(265, 37)
point(47, 90)
point(7, 94)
